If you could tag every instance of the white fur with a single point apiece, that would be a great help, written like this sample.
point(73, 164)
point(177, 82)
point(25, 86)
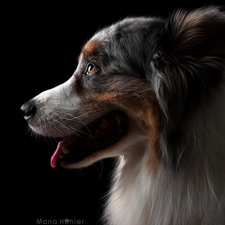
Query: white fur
point(195, 195)
point(54, 106)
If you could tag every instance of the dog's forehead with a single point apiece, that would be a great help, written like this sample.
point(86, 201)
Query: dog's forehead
point(125, 27)
point(121, 28)
point(120, 48)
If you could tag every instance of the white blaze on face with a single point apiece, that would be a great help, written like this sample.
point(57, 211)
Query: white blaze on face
point(53, 96)
point(54, 109)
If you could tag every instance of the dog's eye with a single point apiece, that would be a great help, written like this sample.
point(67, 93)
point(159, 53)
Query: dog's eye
point(91, 69)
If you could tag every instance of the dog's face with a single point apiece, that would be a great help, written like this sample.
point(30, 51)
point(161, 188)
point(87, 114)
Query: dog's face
point(137, 85)
point(107, 107)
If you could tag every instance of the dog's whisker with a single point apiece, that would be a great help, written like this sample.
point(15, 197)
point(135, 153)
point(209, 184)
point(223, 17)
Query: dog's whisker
point(87, 129)
point(71, 130)
point(70, 117)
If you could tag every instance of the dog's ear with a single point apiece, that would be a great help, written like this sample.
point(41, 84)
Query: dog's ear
point(188, 64)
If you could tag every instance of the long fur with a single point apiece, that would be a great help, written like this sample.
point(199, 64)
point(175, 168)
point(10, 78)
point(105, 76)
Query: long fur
point(168, 78)
point(189, 83)
point(193, 195)
point(188, 68)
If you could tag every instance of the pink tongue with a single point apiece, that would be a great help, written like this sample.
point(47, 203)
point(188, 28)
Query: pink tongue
point(56, 154)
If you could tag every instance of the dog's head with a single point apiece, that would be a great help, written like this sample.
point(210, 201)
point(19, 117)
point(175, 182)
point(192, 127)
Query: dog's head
point(133, 86)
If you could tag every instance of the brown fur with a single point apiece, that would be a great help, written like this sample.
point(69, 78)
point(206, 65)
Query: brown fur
point(137, 99)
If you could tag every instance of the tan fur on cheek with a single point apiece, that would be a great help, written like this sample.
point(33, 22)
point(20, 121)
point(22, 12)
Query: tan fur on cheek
point(139, 102)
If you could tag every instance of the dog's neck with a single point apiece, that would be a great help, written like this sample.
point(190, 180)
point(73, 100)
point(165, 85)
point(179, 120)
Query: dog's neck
point(196, 188)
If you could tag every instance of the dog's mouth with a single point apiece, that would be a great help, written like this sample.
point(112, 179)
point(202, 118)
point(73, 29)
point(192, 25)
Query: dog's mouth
point(93, 137)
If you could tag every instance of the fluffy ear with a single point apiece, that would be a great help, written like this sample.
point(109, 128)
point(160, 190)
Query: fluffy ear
point(188, 64)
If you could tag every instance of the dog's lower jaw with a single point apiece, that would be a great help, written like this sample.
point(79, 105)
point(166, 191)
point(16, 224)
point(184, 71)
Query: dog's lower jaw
point(127, 144)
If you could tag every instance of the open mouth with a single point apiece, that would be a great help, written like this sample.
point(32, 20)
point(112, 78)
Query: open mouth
point(93, 137)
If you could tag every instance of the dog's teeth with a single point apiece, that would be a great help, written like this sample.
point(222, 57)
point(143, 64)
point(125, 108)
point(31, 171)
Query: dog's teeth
point(66, 151)
point(61, 156)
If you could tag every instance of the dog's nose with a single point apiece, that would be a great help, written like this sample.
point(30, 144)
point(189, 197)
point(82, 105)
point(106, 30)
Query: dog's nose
point(28, 110)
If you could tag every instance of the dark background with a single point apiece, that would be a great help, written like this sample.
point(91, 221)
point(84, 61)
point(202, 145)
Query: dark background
point(41, 45)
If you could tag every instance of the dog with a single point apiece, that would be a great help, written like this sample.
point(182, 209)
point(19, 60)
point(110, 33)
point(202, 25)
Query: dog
point(151, 92)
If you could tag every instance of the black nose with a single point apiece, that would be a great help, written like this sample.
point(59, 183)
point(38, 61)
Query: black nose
point(28, 110)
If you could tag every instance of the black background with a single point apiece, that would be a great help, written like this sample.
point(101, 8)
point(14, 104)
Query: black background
point(41, 45)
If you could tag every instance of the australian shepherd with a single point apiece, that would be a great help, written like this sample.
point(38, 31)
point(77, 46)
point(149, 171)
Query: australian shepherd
point(151, 91)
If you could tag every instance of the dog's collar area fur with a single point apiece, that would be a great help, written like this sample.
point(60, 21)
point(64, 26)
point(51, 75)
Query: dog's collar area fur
point(165, 79)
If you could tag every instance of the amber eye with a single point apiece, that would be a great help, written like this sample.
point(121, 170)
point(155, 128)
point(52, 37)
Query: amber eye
point(91, 68)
